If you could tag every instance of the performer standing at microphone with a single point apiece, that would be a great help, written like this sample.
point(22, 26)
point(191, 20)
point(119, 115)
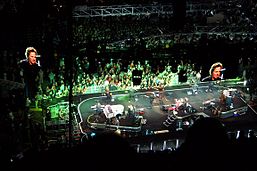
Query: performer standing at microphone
point(30, 73)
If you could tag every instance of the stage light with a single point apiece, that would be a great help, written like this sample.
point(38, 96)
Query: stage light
point(92, 134)
point(245, 82)
point(237, 134)
point(118, 132)
point(231, 36)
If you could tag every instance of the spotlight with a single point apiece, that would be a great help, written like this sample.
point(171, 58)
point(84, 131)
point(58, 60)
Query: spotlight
point(93, 134)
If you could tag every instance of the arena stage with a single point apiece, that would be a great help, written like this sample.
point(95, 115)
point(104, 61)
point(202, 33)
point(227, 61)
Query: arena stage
point(141, 111)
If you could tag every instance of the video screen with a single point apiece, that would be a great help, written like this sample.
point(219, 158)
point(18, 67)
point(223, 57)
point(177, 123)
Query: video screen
point(218, 71)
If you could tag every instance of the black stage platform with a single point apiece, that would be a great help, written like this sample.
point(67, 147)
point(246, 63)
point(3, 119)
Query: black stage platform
point(144, 111)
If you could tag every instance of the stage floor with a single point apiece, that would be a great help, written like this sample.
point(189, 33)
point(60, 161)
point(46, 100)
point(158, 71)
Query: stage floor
point(144, 111)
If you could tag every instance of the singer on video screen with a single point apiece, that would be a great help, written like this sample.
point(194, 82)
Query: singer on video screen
point(215, 72)
point(30, 72)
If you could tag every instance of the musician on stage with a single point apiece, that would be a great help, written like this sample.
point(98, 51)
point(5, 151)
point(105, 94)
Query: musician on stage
point(108, 94)
point(161, 90)
point(161, 93)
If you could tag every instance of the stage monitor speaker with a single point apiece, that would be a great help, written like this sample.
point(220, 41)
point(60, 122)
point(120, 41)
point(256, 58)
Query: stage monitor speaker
point(182, 76)
point(137, 77)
